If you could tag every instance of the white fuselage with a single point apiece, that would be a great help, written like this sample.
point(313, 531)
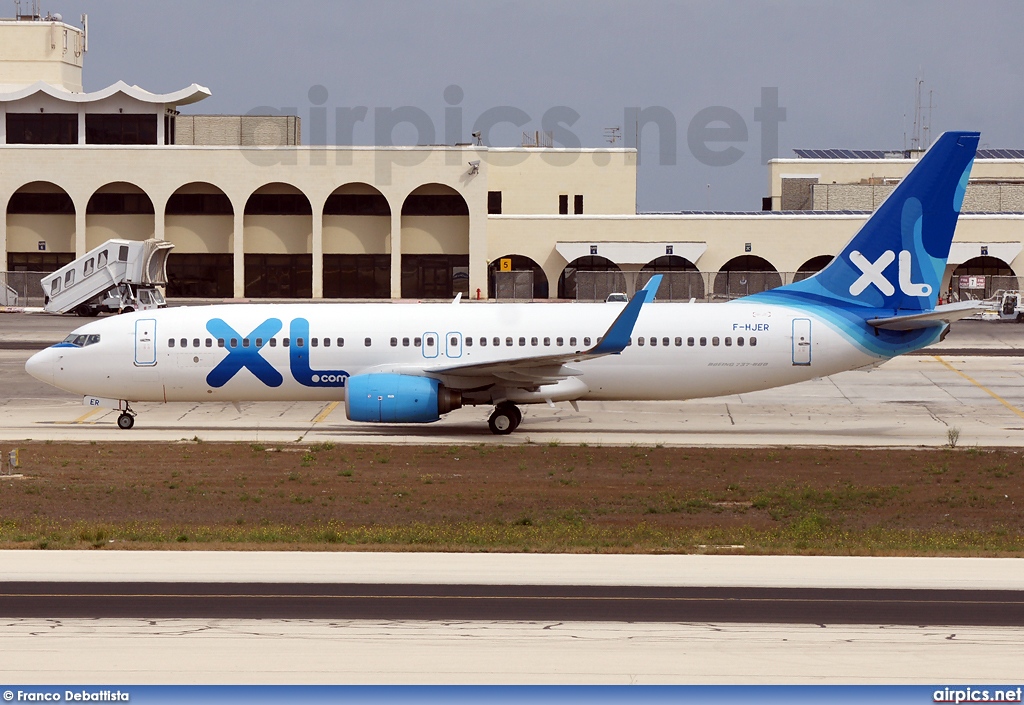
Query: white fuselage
point(699, 350)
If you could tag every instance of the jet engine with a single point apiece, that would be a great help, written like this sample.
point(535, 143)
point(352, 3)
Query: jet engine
point(384, 397)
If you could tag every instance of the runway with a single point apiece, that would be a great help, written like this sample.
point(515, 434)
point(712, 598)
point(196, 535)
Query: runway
point(512, 603)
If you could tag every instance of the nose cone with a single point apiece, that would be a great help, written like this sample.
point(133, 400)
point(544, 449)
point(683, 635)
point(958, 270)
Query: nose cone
point(41, 366)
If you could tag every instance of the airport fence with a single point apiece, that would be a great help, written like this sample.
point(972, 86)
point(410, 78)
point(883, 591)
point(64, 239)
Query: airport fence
point(21, 288)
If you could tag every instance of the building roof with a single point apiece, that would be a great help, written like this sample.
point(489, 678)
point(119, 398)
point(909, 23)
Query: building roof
point(191, 94)
point(895, 154)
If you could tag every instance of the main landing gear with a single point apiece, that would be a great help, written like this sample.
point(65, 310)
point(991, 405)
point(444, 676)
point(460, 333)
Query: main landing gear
point(505, 419)
point(127, 418)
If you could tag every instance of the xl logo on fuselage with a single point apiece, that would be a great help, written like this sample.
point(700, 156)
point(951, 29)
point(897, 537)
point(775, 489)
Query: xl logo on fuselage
point(873, 273)
point(244, 351)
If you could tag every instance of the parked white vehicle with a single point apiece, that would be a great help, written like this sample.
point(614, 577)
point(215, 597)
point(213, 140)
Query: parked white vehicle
point(119, 276)
point(1006, 305)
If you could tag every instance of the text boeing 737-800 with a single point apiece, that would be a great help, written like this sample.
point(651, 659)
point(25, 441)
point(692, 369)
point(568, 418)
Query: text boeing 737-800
point(413, 363)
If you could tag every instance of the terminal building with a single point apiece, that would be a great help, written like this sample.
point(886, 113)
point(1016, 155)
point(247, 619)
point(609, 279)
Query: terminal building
point(252, 212)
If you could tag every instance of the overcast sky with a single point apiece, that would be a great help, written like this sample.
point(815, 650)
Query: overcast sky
point(845, 72)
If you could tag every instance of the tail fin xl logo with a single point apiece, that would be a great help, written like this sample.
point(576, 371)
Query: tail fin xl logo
point(874, 273)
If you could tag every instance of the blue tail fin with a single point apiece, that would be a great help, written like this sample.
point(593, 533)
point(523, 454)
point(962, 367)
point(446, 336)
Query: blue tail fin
point(897, 259)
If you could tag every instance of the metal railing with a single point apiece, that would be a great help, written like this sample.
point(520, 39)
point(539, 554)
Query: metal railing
point(21, 288)
point(679, 286)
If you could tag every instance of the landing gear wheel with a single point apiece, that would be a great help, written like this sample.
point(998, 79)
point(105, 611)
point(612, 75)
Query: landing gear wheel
point(125, 421)
point(505, 419)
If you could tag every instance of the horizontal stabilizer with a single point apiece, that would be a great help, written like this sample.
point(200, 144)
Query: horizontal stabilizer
point(940, 315)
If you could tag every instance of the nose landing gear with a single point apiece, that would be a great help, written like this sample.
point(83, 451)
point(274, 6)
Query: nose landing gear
point(127, 418)
point(505, 419)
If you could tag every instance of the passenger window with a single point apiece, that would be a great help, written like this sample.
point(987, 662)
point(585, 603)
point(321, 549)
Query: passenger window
point(195, 342)
point(327, 342)
point(55, 287)
point(496, 341)
point(572, 342)
point(559, 341)
point(69, 278)
point(259, 343)
point(703, 342)
point(679, 342)
point(453, 341)
point(313, 342)
point(654, 342)
point(689, 341)
point(367, 342)
point(508, 342)
point(170, 342)
point(184, 342)
point(341, 342)
point(664, 341)
point(728, 342)
point(533, 342)
point(522, 341)
point(753, 341)
point(299, 342)
point(209, 342)
point(394, 342)
point(469, 341)
point(430, 341)
point(640, 341)
point(629, 342)
point(586, 342)
point(739, 342)
point(417, 342)
point(714, 340)
point(122, 253)
point(547, 342)
point(220, 342)
point(245, 342)
point(405, 342)
point(483, 342)
point(90, 264)
point(273, 342)
point(101, 259)
point(286, 342)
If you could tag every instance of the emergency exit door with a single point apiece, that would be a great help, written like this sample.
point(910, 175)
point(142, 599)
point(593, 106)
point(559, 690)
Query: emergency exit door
point(801, 341)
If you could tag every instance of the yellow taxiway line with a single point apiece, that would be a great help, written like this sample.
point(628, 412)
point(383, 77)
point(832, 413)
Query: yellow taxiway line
point(982, 387)
point(325, 412)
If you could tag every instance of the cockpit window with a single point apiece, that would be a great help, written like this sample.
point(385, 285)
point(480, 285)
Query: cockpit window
point(79, 340)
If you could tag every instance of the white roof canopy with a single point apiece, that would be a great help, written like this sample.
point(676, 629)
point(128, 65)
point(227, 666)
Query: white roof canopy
point(960, 252)
point(631, 252)
point(185, 96)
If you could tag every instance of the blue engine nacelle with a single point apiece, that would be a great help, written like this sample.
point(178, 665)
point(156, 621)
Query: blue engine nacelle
point(392, 398)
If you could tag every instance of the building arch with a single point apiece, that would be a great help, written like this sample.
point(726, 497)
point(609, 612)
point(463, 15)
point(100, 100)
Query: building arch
point(998, 275)
point(40, 221)
point(812, 266)
point(513, 284)
point(746, 274)
point(356, 233)
point(590, 278)
point(119, 210)
point(434, 242)
point(681, 281)
point(199, 221)
point(277, 233)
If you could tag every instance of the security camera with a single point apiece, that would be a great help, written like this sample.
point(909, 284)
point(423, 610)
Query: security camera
point(478, 136)
point(474, 166)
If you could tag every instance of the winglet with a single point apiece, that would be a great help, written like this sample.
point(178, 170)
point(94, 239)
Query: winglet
point(616, 338)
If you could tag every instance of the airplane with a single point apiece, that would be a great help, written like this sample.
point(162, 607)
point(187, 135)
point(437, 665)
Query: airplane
point(405, 363)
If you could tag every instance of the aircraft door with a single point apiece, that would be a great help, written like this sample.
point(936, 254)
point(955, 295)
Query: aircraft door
point(429, 345)
point(145, 342)
point(454, 345)
point(801, 341)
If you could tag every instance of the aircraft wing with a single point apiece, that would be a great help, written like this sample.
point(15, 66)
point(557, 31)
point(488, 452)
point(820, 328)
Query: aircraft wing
point(536, 370)
point(940, 315)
